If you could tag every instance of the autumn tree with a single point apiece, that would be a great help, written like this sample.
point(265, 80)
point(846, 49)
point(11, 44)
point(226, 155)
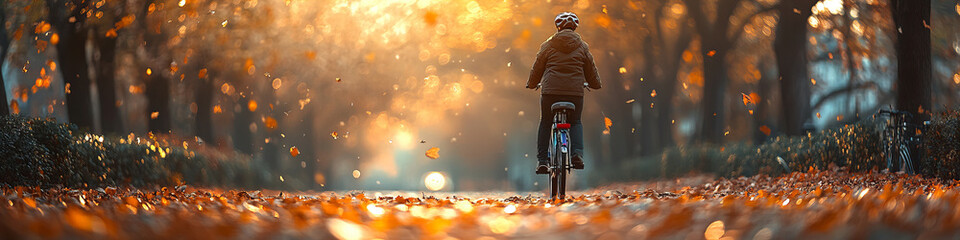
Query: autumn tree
point(912, 19)
point(68, 18)
point(790, 47)
point(718, 37)
point(670, 34)
point(155, 72)
point(105, 29)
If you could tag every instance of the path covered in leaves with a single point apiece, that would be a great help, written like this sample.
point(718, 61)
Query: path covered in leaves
point(815, 204)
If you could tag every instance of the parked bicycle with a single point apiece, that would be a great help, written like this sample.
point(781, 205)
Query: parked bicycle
point(898, 140)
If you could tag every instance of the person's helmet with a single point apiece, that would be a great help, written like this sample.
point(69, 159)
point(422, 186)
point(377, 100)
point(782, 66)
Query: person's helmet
point(567, 20)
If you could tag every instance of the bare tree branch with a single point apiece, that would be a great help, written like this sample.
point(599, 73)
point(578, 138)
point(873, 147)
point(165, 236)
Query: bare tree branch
point(742, 26)
point(845, 90)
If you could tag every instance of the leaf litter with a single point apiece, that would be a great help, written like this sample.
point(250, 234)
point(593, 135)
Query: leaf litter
point(801, 205)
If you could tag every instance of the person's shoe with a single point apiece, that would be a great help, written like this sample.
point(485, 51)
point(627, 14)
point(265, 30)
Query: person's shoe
point(577, 161)
point(542, 168)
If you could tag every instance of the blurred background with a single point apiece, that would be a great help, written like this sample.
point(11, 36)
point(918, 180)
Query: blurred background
point(429, 94)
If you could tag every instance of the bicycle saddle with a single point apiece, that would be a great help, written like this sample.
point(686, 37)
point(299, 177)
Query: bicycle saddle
point(563, 106)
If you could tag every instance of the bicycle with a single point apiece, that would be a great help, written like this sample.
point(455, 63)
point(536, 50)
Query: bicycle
point(560, 164)
point(898, 138)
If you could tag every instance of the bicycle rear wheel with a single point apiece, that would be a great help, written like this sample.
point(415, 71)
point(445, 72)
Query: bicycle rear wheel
point(554, 187)
point(562, 175)
point(906, 162)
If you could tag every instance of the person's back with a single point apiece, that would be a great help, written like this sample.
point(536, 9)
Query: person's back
point(564, 63)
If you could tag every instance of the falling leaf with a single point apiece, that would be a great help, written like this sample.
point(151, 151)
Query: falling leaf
point(338, 79)
point(356, 173)
point(270, 122)
point(711, 53)
point(42, 27)
point(839, 118)
point(54, 39)
point(631, 101)
point(623, 70)
point(294, 151)
point(818, 115)
point(607, 123)
point(765, 130)
point(813, 81)
point(14, 107)
point(430, 18)
point(653, 93)
point(154, 115)
point(956, 78)
point(334, 134)
point(433, 153)
point(149, 71)
point(252, 105)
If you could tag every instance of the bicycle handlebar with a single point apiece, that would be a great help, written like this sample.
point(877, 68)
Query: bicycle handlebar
point(895, 112)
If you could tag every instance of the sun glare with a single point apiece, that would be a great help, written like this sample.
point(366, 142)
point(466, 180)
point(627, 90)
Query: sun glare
point(435, 181)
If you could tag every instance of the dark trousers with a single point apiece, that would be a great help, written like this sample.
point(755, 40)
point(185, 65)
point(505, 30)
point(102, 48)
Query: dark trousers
point(546, 120)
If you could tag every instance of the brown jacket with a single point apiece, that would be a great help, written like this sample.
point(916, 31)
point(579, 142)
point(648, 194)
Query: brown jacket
point(563, 64)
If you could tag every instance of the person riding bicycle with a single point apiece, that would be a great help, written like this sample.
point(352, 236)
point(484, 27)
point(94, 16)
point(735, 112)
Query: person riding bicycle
point(564, 66)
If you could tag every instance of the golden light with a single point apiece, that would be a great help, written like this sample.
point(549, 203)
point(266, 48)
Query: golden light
point(714, 231)
point(375, 211)
point(356, 173)
point(814, 22)
point(510, 209)
point(182, 2)
point(345, 230)
point(435, 181)
point(403, 139)
point(828, 6)
point(252, 105)
point(276, 83)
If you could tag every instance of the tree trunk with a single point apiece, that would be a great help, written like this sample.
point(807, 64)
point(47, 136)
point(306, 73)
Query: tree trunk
point(242, 137)
point(4, 47)
point(157, 87)
point(621, 137)
point(158, 103)
point(106, 86)
point(790, 47)
point(72, 55)
point(913, 57)
point(203, 121)
point(664, 107)
point(714, 93)
point(271, 149)
point(761, 112)
point(308, 146)
point(714, 45)
point(649, 134)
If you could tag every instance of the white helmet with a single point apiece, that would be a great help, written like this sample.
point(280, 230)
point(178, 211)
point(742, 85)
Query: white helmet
point(567, 20)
